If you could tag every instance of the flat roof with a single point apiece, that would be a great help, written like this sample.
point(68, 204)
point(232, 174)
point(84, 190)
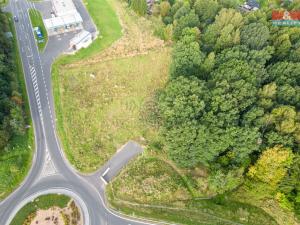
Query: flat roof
point(61, 21)
point(80, 37)
point(63, 7)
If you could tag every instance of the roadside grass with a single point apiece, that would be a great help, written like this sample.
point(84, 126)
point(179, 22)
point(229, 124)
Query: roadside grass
point(42, 202)
point(149, 180)
point(15, 160)
point(3, 2)
point(149, 187)
point(37, 21)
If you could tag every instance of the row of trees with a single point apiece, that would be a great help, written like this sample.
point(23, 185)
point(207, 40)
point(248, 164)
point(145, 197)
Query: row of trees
point(11, 103)
point(232, 100)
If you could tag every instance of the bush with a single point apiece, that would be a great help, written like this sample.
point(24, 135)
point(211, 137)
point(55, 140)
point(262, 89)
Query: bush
point(66, 218)
point(29, 218)
point(164, 8)
point(139, 6)
point(164, 32)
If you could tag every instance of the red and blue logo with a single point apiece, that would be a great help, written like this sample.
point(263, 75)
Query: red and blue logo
point(286, 18)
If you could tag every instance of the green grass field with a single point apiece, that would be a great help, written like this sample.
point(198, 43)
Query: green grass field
point(37, 21)
point(108, 24)
point(42, 202)
point(102, 105)
point(15, 160)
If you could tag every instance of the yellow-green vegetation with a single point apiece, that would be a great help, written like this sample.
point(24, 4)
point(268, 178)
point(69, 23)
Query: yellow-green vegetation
point(150, 187)
point(102, 105)
point(42, 202)
point(105, 19)
point(157, 183)
point(3, 2)
point(37, 21)
point(15, 159)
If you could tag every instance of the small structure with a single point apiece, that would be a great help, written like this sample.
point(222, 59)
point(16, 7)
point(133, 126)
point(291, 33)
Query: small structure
point(63, 7)
point(64, 18)
point(65, 23)
point(81, 40)
point(250, 5)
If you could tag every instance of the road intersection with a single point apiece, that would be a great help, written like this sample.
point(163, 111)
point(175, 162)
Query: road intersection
point(50, 171)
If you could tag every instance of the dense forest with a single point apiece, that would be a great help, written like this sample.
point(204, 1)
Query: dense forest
point(11, 103)
point(232, 101)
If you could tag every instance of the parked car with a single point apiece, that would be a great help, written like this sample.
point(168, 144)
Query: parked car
point(38, 32)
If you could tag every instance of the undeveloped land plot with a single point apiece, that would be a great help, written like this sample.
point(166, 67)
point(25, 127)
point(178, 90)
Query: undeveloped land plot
point(102, 98)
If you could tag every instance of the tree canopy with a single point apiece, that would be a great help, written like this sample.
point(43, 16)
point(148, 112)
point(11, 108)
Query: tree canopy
point(233, 96)
point(11, 103)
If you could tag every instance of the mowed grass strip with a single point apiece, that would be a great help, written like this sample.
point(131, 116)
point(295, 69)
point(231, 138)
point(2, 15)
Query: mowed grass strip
point(102, 105)
point(15, 159)
point(37, 21)
point(42, 202)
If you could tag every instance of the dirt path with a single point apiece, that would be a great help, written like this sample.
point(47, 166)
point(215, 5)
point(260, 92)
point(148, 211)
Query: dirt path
point(137, 39)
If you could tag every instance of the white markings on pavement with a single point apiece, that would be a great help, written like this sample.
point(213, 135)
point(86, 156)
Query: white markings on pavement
point(36, 90)
point(49, 167)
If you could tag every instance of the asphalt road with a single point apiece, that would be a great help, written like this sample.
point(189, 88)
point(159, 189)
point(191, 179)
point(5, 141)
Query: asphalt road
point(51, 172)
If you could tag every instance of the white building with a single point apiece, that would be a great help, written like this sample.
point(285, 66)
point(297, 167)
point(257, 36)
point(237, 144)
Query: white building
point(81, 40)
point(63, 7)
point(65, 19)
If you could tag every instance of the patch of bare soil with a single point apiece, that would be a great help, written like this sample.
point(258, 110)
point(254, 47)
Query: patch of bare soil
point(137, 39)
point(48, 217)
point(69, 215)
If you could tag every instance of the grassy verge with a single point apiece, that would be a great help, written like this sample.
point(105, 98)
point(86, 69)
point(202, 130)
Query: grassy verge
point(148, 187)
point(37, 21)
point(15, 160)
point(3, 2)
point(43, 202)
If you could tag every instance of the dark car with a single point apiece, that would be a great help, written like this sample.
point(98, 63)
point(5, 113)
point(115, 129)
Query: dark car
point(16, 19)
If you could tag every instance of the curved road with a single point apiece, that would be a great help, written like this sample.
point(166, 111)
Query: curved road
point(50, 170)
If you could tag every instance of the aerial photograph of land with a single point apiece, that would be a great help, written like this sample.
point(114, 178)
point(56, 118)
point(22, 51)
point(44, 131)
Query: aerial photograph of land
point(149, 112)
